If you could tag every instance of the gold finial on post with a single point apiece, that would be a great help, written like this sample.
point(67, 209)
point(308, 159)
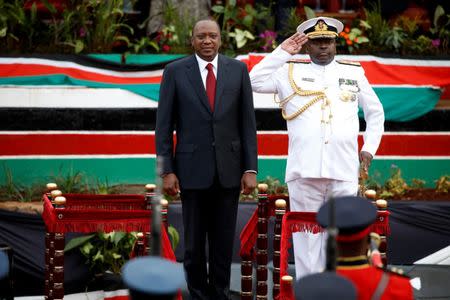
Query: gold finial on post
point(381, 204)
point(280, 204)
point(150, 187)
point(262, 188)
point(51, 186)
point(370, 194)
point(60, 202)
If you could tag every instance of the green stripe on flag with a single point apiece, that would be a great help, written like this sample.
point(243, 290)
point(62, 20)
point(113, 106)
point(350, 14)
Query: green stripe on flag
point(112, 170)
point(142, 170)
point(406, 103)
point(148, 90)
point(138, 59)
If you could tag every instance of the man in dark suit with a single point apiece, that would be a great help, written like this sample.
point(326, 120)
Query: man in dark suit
point(215, 155)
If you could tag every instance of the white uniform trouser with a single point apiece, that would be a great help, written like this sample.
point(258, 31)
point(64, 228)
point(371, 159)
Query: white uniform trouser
point(308, 194)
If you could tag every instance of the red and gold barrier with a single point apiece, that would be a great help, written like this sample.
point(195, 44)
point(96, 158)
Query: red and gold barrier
point(91, 213)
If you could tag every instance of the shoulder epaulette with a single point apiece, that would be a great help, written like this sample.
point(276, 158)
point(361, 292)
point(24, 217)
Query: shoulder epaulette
point(299, 61)
point(349, 62)
point(395, 271)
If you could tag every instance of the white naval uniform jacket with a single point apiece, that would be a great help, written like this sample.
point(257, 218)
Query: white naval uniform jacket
point(316, 149)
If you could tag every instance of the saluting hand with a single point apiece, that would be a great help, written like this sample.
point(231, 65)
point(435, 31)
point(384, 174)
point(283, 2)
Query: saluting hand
point(294, 43)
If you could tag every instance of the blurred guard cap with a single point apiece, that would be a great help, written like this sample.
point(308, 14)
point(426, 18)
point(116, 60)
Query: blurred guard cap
point(321, 27)
point(4, 264)
point(324, 286)
point(152, 277)
point(353, 216)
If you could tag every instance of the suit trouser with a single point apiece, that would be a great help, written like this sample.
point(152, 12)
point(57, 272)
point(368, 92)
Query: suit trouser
point(209, 215)
point(308, 194)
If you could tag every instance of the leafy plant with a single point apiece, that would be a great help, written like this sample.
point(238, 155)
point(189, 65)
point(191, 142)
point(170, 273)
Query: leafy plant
point(108, 252)
point(376, 27)
point(174, 236)
point(395, 185)
point(275, 187)
point(441, 29)
point(71, 182)
point(351, 39)
point(104, 251)
point(86, 26)
point(174, 36)
point(291, 23)
point(443, 184)
point(240, 25)
point(417, 183)
point(241, 37)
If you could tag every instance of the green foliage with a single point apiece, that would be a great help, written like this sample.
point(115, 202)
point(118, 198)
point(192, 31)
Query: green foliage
point(377, 28)
point(174, 37)
point(71, 182)
point(417, 183)
point(395, 185)
point(373, 182)
point(351, 40)
point(443, 184)
point(240, 25)
point(86, 26)
point(14, 191)
point(104, 251)
point(441, 28)
point(403, 36)
point(174, 236)
point(68, 182)
point(291, 23)
point(275, 187)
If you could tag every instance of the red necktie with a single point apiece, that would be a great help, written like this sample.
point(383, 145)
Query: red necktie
point(210, 85)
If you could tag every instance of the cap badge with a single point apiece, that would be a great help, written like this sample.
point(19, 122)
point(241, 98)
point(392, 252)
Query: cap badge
point(321, 26)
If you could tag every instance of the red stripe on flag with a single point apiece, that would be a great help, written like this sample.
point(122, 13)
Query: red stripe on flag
point(135, 144)
point(393, 145)
point(420, 145)
point(397, 74)
point(17, 70)
point(76, 144)
point(116, 298)
point(390, 74)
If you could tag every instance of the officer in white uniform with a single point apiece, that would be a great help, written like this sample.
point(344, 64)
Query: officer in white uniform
point(319, 101)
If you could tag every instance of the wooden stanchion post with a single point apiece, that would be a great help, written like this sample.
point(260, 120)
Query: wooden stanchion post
point(382, 207)
point(280, 210)
point(149, 194)
point(261, 243)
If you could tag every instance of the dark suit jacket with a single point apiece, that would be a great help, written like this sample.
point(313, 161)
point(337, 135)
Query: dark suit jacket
point(223, 141)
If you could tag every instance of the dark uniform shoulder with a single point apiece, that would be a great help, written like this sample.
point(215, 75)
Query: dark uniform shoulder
point(348, 62)
point(299, 61)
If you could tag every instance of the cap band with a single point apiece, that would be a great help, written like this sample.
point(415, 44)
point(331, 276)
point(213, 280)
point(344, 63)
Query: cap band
point(353, 237)
point(321, 29)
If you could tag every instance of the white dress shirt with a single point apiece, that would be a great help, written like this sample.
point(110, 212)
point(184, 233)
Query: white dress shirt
point(202, 67)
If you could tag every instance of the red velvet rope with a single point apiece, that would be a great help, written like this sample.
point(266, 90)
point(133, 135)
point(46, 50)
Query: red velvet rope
point(249, 233)
point(306, 222)
point(100, 213)
point(106, 213)
point(295, 222)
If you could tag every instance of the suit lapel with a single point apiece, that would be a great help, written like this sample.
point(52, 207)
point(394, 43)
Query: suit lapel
point(193, 74)
point(221, 75)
